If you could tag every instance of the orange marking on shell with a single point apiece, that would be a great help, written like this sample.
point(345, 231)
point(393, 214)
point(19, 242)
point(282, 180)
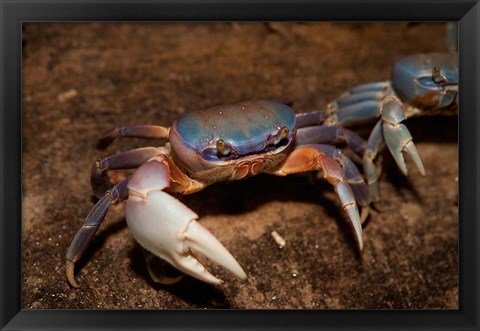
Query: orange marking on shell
point(241, 171)
point(257, 167)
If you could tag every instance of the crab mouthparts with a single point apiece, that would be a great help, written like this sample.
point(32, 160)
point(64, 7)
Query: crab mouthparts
point(248, 168)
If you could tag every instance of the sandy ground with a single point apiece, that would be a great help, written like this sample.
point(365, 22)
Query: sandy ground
point(81, 79)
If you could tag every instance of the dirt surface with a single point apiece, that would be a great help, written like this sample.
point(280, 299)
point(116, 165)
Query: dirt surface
point(81, 79)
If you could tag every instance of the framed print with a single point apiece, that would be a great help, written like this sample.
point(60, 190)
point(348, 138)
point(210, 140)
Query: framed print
point(286, 165)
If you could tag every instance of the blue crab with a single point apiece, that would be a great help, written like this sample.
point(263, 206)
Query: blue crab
point(223, 143)
point(421, 84)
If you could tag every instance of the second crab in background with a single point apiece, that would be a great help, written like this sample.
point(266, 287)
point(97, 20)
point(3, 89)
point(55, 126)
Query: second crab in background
point(420, 84)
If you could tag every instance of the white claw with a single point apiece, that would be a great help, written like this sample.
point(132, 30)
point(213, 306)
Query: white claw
point(200, 239)
point(168, 229)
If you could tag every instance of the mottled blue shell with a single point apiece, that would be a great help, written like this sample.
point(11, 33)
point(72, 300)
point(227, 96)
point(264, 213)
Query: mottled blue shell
point(244, 127)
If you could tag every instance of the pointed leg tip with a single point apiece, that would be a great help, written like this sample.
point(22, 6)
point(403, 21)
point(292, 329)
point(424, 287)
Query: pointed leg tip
point(70, 267)
point(352, 211)
point(364, 214)
point(422, 171)
point(160, 276)
point(165, 280)
point(378, 205)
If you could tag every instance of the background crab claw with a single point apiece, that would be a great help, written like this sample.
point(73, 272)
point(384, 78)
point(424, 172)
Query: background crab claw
point(399, 140)
point(168, 229)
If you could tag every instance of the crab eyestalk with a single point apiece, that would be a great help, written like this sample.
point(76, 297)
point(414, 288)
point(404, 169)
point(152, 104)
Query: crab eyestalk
point(281, 134)
point(222, 149)
point(437, 77)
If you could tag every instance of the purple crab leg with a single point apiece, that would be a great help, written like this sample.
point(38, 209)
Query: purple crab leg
point(117, 194)
point(125, 160)
point(350, 99)
point(329, 135)
point(356, 113)
point(315, 117)
point(351, 172)
point(369, 87)
point(326, 134)
point(361, 103)
point(137, 131)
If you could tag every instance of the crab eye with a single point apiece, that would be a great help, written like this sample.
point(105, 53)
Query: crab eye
point(222, 149)
point(437, 76)
point(433, 81)
point(281, 134)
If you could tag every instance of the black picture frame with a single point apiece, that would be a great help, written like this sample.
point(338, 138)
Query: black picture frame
point(467, 13)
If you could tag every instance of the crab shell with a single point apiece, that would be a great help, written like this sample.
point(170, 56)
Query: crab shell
point(249, 131)
point(413, 82)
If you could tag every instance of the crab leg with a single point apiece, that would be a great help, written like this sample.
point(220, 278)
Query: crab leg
point(326, 134)
point(138, 131)
point(125, 160)
point(356, 113)
point(350, 99)
point(330, 135)
point(363, 92)
point(368, 87)
point(83, 237)
point(166, 227)
point(315, 117)
point(352, 177)
point(308, 158)
point(361, 103)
